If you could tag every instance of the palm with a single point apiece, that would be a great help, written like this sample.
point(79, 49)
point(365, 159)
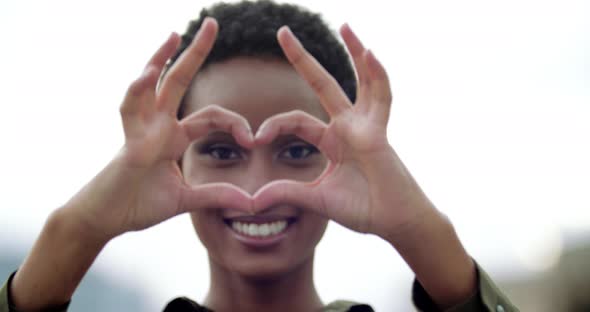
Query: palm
point(156, 197)
point(346, 189)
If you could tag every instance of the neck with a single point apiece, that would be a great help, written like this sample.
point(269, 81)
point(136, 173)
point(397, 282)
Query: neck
point(291, 291)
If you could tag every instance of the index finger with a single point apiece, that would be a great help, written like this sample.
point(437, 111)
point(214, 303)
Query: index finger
point(179, 77)
point(332, 97)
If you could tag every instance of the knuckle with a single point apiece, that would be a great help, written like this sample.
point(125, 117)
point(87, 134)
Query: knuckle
point(208, 112)
point(300, 116)
point(136, 87)
point(388, 98)
point(297, 57)
point(212, 122)
point(318, 85)
point(298, 113)
point(124, 110)
point(214, 110)
point(199, 53)
point(181, 79)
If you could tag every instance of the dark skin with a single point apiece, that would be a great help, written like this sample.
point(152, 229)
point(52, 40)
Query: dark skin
point(279, 277)
point(365, 187)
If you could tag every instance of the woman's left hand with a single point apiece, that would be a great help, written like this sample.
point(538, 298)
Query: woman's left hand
point(365, 187)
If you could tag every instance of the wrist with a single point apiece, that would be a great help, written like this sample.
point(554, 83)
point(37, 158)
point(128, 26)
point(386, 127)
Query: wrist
point(425, 220)
point(67, 223)
point(434, 252)
point(98, 210)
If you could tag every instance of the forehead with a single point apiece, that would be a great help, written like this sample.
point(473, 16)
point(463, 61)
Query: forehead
point(254, 88)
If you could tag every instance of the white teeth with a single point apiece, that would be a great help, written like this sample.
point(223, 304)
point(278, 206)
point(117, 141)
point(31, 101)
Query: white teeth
point(264, 230)
point(253, 229)
point(259, 230)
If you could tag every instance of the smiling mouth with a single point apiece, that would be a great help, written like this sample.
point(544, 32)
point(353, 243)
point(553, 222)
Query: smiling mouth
point(259, 229)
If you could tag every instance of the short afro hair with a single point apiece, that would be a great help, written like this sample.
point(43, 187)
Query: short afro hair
point(249, 29)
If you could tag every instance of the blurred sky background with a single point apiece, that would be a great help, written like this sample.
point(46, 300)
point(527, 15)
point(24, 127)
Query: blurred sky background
point(491, 115)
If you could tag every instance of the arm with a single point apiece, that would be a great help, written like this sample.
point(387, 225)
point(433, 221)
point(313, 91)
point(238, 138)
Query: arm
point(55, 266)
point(434, 252)
point(366, 187)
point(142, 186)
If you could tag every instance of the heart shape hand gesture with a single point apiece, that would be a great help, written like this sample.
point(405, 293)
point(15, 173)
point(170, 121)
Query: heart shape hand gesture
point(365, 187)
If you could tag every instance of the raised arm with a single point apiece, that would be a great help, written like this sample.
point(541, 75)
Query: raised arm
point(366, 186)
point(142, 186)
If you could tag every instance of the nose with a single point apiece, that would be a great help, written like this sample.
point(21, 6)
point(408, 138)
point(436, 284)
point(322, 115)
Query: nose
point(258, 173)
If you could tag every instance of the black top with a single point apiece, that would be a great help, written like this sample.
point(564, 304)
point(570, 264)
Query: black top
point(184, 304)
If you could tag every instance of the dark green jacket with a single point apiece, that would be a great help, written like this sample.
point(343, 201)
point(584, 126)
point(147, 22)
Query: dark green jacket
point(488, 298)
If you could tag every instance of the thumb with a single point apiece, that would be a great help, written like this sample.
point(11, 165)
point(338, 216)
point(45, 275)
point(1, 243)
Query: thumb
point(215, 196)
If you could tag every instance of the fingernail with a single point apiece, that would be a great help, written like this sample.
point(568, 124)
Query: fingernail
point(288, 30)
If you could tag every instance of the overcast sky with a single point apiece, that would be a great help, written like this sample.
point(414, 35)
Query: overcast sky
point(491, 115)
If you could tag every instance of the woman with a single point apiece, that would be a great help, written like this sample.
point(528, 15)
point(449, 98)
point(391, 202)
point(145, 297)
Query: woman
point(262, 142)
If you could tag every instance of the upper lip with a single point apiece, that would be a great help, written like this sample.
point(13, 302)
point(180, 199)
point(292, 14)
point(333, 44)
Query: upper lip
point(260, 219)
point(278, 213)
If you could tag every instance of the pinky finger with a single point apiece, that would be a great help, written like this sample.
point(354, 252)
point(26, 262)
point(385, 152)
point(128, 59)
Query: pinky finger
point(380, 87)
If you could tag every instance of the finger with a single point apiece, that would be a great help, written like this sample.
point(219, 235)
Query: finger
point(179, 77)
point(214, 117)
point(332, 97)
point(144, 87)
point(356, 50)
point(380, 88)
point(215, 196)
point(160, 58)
point(298, 194)
point(299, 123)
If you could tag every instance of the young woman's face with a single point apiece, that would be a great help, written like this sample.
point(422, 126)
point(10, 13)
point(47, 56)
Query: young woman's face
point(256, 89)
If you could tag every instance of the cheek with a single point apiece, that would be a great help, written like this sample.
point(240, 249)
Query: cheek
point(319, 228)
point(207, 226)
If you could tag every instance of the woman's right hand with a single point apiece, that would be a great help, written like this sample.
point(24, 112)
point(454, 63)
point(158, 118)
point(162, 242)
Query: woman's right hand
point(143, 185)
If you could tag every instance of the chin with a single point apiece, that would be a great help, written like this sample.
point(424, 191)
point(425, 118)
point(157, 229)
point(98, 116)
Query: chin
point(267, 269)
point(278, 252)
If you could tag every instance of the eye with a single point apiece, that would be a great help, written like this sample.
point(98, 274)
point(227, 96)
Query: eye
point(298, 151)
point(221, 151)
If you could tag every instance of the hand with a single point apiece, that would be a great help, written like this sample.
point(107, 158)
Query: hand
point(366, 186)
point(143, 185)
